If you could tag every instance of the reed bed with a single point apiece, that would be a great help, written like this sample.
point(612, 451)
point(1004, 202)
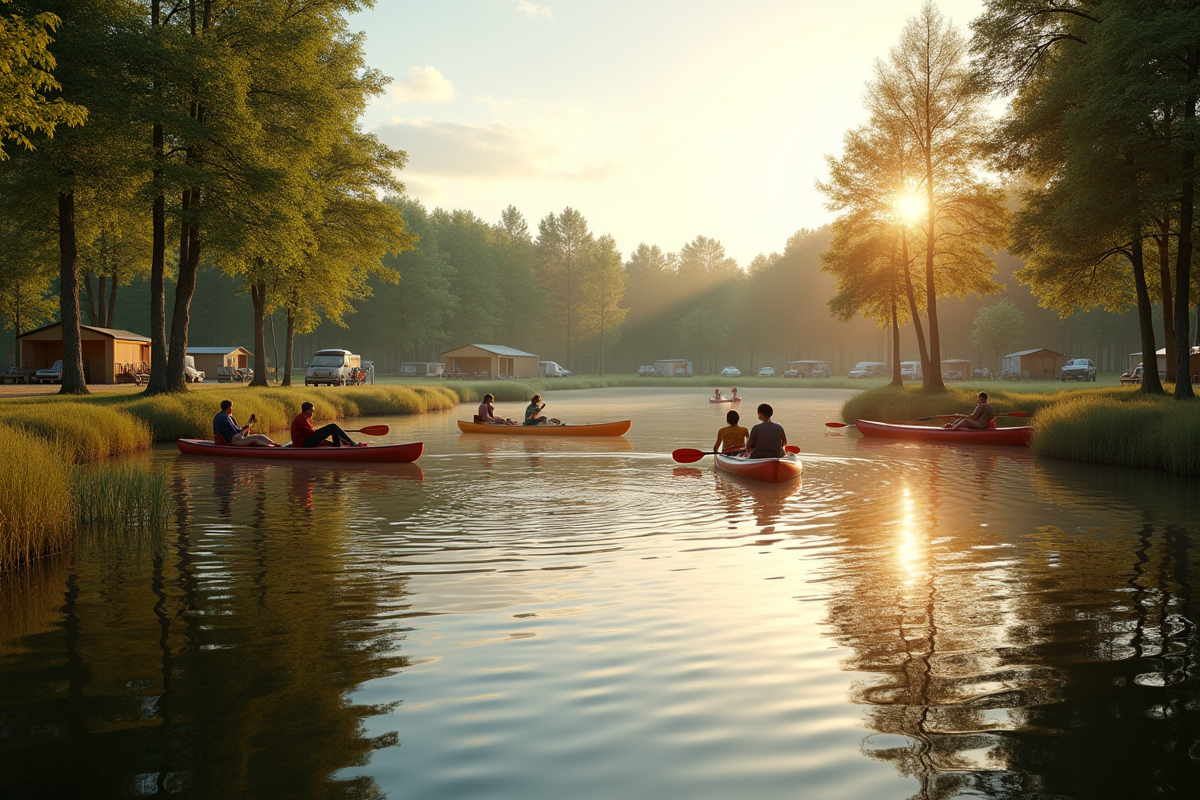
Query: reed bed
point(36, 505)
point(121, 496)
point(891, 404)
point(85, 431)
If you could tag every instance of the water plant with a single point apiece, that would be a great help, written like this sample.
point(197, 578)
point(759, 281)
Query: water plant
point(36, 505)
point(121, 496)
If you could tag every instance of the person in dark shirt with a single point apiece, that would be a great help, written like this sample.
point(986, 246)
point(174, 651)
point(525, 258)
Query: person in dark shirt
point(305, 435)
point(767, 439)
point(227, 431)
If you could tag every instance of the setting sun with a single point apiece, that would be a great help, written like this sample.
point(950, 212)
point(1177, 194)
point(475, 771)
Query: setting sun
point(909, 207)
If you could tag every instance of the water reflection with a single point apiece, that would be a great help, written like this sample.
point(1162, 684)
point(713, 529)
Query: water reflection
point(764, 501)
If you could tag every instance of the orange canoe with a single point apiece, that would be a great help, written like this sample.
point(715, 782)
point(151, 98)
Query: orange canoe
point(593, 429)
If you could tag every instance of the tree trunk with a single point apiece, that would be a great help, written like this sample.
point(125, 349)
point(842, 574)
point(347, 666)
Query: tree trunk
point(185, 287)
point(101, 311)
point(288, 350)
point(158, 247)
point(274, 348)
point(1164, 274)
point(258, 296)
point(1183, 263)
point(897, 378)
point(1150, 380)
point(111, 317)
point(93, 319)
point(933, 377)
point(912, 306)
point(68, 298)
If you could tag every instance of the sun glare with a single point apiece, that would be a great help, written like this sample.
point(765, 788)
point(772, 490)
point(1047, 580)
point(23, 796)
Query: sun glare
point(909, 207)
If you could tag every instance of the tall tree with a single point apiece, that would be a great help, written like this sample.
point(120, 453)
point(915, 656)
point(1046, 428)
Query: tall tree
point(927, 88)
point(517, 287)
point(998, 327)
point(602, 286)
point(563, 243)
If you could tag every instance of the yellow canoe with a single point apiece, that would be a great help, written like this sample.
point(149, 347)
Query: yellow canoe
point(594, 429)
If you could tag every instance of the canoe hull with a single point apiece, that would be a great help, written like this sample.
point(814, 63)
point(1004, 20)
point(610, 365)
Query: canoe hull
point(371, 454)
point(725, 400)
point(1013, 437)
point(767, 470)
point(597, 429)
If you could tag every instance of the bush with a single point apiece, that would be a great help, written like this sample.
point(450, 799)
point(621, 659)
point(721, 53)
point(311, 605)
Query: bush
point(36, 511)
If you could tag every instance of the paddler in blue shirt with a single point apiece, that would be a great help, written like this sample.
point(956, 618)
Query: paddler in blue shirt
point(227, 431)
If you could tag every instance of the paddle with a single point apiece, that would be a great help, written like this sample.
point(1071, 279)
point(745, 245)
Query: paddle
point(372, 430)
point(949, 416)
point(687, 455)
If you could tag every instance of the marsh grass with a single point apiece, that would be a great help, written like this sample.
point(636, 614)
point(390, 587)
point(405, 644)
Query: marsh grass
point(121, 496)
point(888, 404)
point(36, 505)
point(85, 431)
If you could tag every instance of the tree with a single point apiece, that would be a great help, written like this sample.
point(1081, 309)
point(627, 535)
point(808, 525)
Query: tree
point(602, 287)
point(26, 67)
point(998, 329)
point(563, 243)
point(517, 290)
point(702, 331)
point(927, 89)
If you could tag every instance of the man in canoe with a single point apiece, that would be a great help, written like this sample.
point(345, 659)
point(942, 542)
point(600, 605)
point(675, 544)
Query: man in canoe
point(767, 438)
point(717, 395)
point(533, 413)
point(305, 435)
point(731, 438)
point(227, 431)
point(487, 412)
point(978, 419)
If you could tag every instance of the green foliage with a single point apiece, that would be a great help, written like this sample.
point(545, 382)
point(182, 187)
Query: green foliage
point(563, 245)
point(998, 329)
point(121, 497)
point(85, 432)
point(36, 513)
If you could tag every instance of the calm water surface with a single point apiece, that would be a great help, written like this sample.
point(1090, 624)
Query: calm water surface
point(545, 618)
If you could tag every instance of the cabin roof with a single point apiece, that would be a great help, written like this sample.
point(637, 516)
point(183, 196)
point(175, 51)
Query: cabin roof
point(1031, 352)
point(112, 333)
point(497, 349)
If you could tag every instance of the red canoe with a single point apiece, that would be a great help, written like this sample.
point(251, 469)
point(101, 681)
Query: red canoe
point(769, 470)
point(371, 454)
point(725, 400)
point(1019, 437)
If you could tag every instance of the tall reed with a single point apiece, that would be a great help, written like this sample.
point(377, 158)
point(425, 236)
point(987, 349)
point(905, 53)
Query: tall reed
point(36, 505)
point(86, 431)
point(129, 496)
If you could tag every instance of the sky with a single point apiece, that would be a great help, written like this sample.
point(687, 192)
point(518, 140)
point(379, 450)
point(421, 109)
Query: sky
point(659, 120)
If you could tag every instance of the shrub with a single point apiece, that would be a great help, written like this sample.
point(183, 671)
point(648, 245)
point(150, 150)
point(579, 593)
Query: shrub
point(36, 511)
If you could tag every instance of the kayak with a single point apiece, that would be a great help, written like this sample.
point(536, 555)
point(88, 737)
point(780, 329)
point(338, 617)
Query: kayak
point(592, 429)
point(770, 470)
point(370, 454)
point(1018, 437)
point(725, 400)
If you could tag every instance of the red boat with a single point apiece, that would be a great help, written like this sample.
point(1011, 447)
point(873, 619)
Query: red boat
point(370, 454)
point(1018, 437)
point(769, 470)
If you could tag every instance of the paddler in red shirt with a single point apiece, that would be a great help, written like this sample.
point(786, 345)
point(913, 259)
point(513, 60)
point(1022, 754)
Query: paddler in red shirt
point(304, 435)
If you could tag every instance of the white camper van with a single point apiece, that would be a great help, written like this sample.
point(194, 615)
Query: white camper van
point(549, 369)
point(335, 368)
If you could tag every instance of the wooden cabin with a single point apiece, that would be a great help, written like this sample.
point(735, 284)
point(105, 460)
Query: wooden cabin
point(1161, 358)
point(107, 353)
point(956, 369)
point(1040, 364)
point(490, 361)
point(209, 360)
point(673, 368)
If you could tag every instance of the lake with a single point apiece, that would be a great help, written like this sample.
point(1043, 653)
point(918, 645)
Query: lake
point(519, 617)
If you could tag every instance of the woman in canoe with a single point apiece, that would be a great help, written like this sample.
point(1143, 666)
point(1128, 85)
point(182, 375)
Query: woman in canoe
point(487, 412)
point(533, 413)
point(717, 395)
point(731, 438)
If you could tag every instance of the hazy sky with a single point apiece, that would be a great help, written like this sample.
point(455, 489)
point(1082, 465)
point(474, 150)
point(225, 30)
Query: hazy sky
point(660, 120)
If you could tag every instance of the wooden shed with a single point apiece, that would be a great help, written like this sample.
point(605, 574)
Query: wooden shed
point(1039, 364)
point(490, 361)
point(209, 360)
point(673, 367)
point(804, 369)
point(956, 369)
point(1161, 358)
point(107, 353)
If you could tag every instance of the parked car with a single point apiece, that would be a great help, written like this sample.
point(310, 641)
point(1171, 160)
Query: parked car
point(731, 372)
point(1078, 369)
point(549, 369)
point(50, 375)
point(821, 371)
point(952, 375)
point(910, 371)
point(982, 373)
point(190, 373)
point(791, 373)
point(647, 371)
point(868, 369)
point(766, 372)
point(334, 368)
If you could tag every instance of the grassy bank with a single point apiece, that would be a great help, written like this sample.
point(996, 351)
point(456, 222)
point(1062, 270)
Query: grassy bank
point(1100, 426)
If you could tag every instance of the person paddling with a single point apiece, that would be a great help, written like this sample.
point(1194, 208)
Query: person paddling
point(487, 412)
point(982, 417)
point(717, 395)
point(305, 435)
point(227, 431)
point(533, 413)
point(731, 438)
point(767, 439)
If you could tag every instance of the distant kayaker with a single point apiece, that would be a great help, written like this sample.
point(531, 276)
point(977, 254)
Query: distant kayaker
point(767, 438)
point(731, 438)
point(533, 413)
point(487, 412)
point(717, 394)
point(980, 418)
point(227, 431)
point(734, 396)
point(304, 435)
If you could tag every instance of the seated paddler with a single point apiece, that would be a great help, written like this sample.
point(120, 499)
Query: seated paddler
point(305, 435)
point(227, 431)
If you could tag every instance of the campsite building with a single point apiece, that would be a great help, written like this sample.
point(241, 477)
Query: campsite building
point(804, 369)
point(490, 361)
point(107, 353)
point(673, 368)
point(210, 360)
point(956, 369)
point(1161, 353)
point(1039, 364)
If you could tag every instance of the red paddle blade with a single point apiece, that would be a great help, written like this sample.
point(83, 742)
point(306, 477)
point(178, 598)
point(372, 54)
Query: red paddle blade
point(1014, 414)
point(791, 448)
point(374, 430)
point(686, 455)
point(835, 424)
